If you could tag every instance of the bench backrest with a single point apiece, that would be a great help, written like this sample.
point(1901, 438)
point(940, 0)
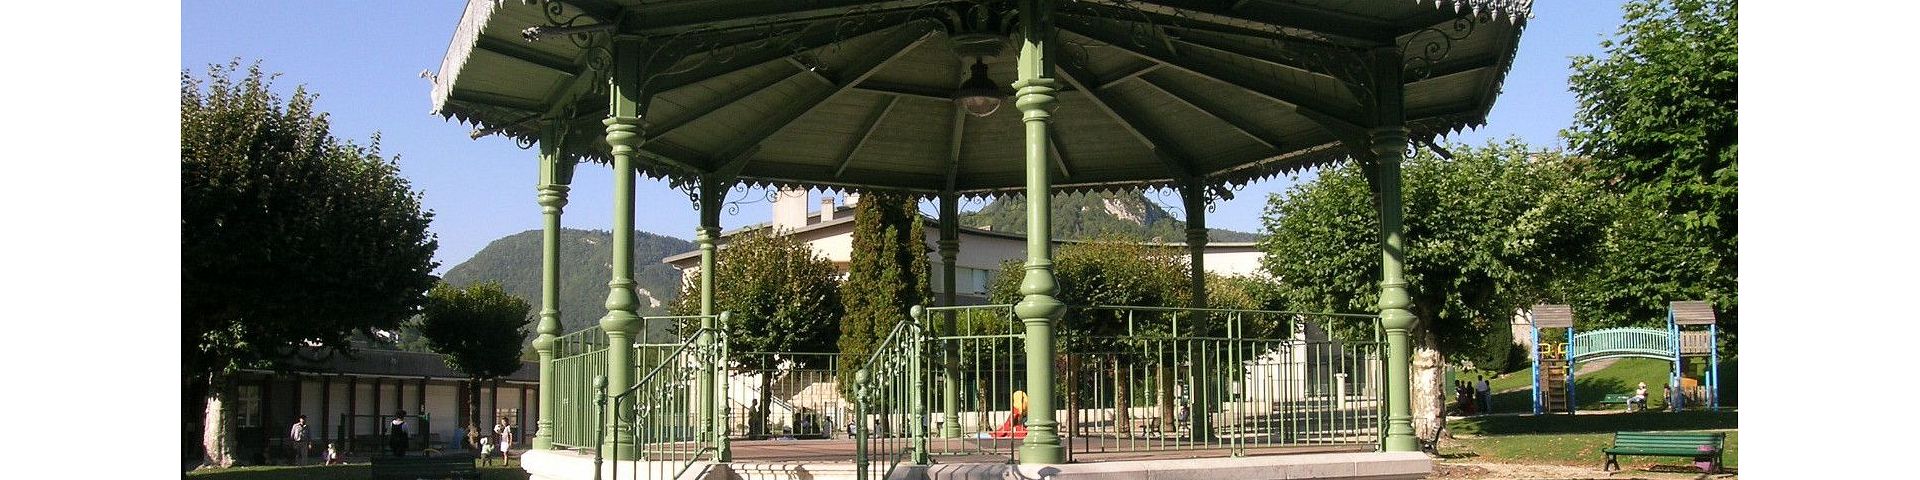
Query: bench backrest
point(1676, 440)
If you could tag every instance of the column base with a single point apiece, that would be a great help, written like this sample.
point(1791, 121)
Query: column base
point(1032, 453)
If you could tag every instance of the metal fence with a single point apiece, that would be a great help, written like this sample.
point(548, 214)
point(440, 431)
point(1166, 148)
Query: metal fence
point(670, 424)
point(578, 358)
point(784, 394)
point(1130, 379)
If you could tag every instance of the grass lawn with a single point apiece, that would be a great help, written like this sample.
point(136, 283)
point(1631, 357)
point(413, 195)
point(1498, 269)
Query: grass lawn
point(1621, 377)
point(360, 471)
point(1577, 439)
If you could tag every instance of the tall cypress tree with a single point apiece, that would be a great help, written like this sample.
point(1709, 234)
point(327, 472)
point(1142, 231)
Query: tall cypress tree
point(886, 276)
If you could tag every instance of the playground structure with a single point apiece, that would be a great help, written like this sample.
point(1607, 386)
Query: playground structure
point(1555, 363)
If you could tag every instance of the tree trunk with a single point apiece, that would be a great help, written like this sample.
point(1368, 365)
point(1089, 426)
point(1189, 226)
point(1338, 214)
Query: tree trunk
point(216, 436)
point(758, 427)
point(982, 421)
point(1429, 398)
point(1071, 427)
point(473, 414)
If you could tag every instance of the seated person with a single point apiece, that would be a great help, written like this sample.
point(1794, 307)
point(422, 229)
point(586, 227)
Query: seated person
point(1639, 398)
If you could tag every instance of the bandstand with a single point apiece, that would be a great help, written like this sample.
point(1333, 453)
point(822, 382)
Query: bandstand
point(952, 99)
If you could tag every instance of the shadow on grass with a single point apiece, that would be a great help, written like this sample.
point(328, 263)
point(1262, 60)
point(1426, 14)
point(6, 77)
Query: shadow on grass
point(1624, 422)
point(358, 471)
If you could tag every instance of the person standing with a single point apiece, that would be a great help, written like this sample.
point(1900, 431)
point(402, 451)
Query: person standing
point(1484, 391)
point(301, 442)
point(504, 431)
point(397, 434)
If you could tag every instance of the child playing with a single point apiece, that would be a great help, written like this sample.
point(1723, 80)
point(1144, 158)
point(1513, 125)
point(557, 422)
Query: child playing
point(333, 456)
point(486, 451)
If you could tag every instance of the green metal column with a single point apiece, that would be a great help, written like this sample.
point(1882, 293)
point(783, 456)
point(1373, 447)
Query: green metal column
point(1038, 310)
point(712, 406)
point(621, 322)
point(1205, 381)
point(949, 351)
point(1387, 145)
point(556, 172)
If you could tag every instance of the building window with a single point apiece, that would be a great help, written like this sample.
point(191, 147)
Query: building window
point(246, 405)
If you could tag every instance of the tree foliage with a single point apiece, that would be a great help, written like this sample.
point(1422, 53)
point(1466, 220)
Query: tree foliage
point(783, 296)
point(1108, 271)
point(288, 235)
point(886, 275)
point(1486, 234)
point(1659, 114)
point(478, 328)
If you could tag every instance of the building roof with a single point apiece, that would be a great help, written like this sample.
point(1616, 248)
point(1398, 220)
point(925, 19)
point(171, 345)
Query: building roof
point(396, 363)
point(859, 94)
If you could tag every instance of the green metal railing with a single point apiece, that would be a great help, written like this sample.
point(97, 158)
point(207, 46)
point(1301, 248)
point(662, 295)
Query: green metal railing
point(671, 424)
point(578, 358)
point(1132, 380)
point(889, 407)
point(785, 394)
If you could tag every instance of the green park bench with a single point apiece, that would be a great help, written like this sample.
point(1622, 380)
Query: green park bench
point(1702, 447)
point(455, 466)
point(1613, 398)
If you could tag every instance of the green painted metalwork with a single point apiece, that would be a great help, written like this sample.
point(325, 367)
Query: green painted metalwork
point(663, 412)
point(624, 136)
point(556, 172)
point(1237, 67)
point(891, 412)
point(712, 408)
point(802, 400)
point(579, 357)
point(1034, 96)
point(1134, 389)
point(1396, 319)
point(1194, 198)
point(949, 253)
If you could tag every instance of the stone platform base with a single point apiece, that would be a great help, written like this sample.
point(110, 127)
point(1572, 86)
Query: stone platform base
point(566, 465)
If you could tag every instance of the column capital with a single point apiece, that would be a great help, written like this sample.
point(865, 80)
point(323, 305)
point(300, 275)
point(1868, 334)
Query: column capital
point(1387, 140)
point(552, 198)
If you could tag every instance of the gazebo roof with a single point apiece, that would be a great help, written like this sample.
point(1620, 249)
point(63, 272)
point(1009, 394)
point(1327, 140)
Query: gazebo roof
point(858, 94)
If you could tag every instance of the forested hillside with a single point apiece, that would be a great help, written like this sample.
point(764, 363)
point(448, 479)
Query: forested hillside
point(1129, 216)
point(586, 263)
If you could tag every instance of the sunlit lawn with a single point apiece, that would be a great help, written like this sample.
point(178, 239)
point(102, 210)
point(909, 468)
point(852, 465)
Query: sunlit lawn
point(1578, 439)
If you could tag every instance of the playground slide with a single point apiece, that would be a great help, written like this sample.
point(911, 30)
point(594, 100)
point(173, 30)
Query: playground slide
point(1012, 428)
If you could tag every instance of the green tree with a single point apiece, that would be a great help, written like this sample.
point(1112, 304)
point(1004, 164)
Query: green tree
point(1110, 271)
point(886, 276)
point(1486, 233)
point(1659, 114)
point(479, 329)
point(288, 237)
point(782, 296)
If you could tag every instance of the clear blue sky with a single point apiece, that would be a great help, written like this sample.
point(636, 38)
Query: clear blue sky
point(364, 59)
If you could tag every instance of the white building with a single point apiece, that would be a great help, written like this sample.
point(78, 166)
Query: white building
point(829, 230)
point(354, 397)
